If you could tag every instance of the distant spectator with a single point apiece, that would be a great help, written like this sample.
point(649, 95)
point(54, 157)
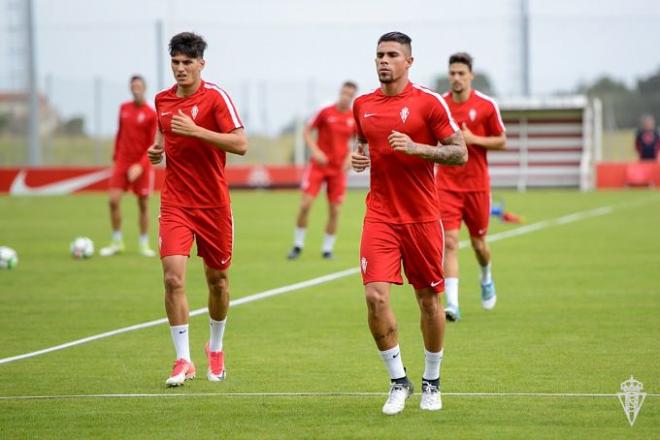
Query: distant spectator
point(647, 141)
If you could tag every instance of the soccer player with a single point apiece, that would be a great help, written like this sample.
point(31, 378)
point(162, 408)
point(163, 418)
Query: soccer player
point(330, 161)
point(137, 127)
point(406, 129)
point(464, 192)
point(197, 126)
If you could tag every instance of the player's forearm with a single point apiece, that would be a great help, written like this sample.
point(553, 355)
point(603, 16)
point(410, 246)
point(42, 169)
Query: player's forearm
point(491, 142)
point(450, 154)
point(309, 140)
point(234, 142)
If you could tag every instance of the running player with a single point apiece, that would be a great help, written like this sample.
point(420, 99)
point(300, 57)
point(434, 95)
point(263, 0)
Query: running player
point(137, 128)
point(197, 126)
point(464, 192)
point(406, 128)
point(330, 161)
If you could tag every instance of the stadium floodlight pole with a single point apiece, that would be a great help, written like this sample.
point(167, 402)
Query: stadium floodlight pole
point(524, 40)
point(34, 153)
point(159, 55)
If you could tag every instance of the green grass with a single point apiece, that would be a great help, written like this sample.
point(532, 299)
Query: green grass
point(86, 151)
point(578, 312)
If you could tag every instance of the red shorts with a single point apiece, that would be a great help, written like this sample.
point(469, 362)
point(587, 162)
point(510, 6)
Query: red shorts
point(142, 186)
point(473, 207)
point(419, 246)
point(212, 228)
point(334, 178)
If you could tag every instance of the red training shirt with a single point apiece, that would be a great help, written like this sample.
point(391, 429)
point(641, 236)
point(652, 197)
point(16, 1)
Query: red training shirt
point(136, 132)
point(195, 170)
point(402, 186)
point(482, 116)
point(335, 129)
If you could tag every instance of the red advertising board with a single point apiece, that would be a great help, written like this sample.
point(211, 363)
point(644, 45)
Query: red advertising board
point(56, 181)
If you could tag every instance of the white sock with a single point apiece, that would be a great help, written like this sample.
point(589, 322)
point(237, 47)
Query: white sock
point(180, 339)
point(144, 239)
point(451, 291)
point(432, 363)
point(393, 362)
point(217, 333)
point(299, 237)
point(329, 242)
point(486, 277)
point(116, 236)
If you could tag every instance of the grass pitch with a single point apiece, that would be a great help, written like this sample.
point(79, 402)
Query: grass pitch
point(578, 312)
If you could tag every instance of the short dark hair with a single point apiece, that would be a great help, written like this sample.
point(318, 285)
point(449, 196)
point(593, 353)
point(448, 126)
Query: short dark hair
point(350, 84)
point(138, 78)
point(189, 44)
point(397, 37)
point(463, 58)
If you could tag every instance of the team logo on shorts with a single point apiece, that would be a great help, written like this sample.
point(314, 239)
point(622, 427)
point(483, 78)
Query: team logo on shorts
point(404, 114)
point(472, 114)
point(363, 265)
point(194, 111)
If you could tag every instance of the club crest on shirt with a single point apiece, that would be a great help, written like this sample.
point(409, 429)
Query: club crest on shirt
point(472, 114)
point(140, 118)
point(194, 111)
point(404, 114)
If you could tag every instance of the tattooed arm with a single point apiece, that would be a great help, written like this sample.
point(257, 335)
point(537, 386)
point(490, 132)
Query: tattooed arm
point(451, 151)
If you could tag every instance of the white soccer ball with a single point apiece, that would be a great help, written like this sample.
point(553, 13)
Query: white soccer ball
point(8, 258)
point(82, 247)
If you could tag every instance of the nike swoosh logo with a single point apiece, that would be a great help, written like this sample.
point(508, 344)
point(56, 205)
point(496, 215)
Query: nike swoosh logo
point(396, 355)
point(20, 188)
point(368, 115)
point(435, 284)
point(165, 113)
point(225, 261)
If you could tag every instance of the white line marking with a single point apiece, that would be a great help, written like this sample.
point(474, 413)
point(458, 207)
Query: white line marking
point(291, 394)
point(581, 215)
point(233, 303)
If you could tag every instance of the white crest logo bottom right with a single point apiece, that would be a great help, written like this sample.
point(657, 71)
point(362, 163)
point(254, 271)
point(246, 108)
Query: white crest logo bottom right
point(632, 397)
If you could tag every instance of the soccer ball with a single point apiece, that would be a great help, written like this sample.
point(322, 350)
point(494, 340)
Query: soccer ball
point(8, 257)
point(82, 247)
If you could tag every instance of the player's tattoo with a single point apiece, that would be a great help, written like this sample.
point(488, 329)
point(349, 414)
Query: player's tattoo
point(452, 151)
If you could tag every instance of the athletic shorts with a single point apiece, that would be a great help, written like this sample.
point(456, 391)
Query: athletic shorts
point(419, 246)
point(211, 228)
point(472, 207)
point(142, 186)
point(335, 182)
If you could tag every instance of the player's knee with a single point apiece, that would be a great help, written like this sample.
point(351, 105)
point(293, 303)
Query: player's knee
point(451, 243)
point(173, 283)
point(218, 282)
point(334, 211)
point(376, 299)
point(114, 202)
point(479, 244)
point(143, 203)
point(429, 304)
